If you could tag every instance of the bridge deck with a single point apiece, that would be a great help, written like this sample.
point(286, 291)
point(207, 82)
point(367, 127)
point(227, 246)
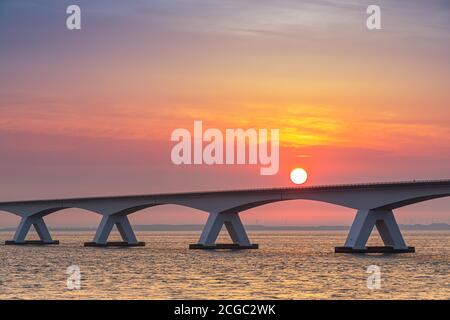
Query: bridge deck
point(332, 187)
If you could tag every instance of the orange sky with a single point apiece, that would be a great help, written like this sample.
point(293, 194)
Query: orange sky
point(90, 112)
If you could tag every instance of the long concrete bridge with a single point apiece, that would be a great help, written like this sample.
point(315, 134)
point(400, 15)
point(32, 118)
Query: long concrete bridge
point(374, 204)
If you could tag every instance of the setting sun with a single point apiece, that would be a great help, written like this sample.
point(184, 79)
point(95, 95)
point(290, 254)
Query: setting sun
point(299, 176)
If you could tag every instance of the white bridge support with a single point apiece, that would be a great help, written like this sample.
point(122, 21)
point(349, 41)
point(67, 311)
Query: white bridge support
point(24, 227)
point(104, 229)
point(362, 227)
point(234, 227)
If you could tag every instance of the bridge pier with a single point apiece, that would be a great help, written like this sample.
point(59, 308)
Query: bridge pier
point(362, 227)
point(104, 229)
point(234, 227)
point(24, 227)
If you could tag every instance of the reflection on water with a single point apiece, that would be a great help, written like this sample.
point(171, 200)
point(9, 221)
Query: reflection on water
point(288, 265)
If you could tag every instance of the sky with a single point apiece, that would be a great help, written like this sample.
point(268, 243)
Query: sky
point(90, 112)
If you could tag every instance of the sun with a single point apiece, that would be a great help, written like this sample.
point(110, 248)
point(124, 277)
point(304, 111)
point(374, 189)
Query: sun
point(299, 176)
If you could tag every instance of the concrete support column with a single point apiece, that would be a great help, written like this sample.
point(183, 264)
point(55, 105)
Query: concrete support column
point(362, 227)
point(234, 227)
point(104, 229)
point(24, 227)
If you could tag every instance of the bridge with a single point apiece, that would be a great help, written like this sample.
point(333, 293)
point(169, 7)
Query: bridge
point(374, 204)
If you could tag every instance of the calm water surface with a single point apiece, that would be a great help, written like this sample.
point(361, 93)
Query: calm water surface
point(288, 265)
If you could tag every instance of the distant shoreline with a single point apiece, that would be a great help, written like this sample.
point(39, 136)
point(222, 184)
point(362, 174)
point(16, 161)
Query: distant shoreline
point(199, 227)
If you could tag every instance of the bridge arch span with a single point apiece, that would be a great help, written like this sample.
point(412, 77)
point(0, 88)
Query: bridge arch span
point(394, 204)
point(104, 209)
point(414, 200)
point(254, 205)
